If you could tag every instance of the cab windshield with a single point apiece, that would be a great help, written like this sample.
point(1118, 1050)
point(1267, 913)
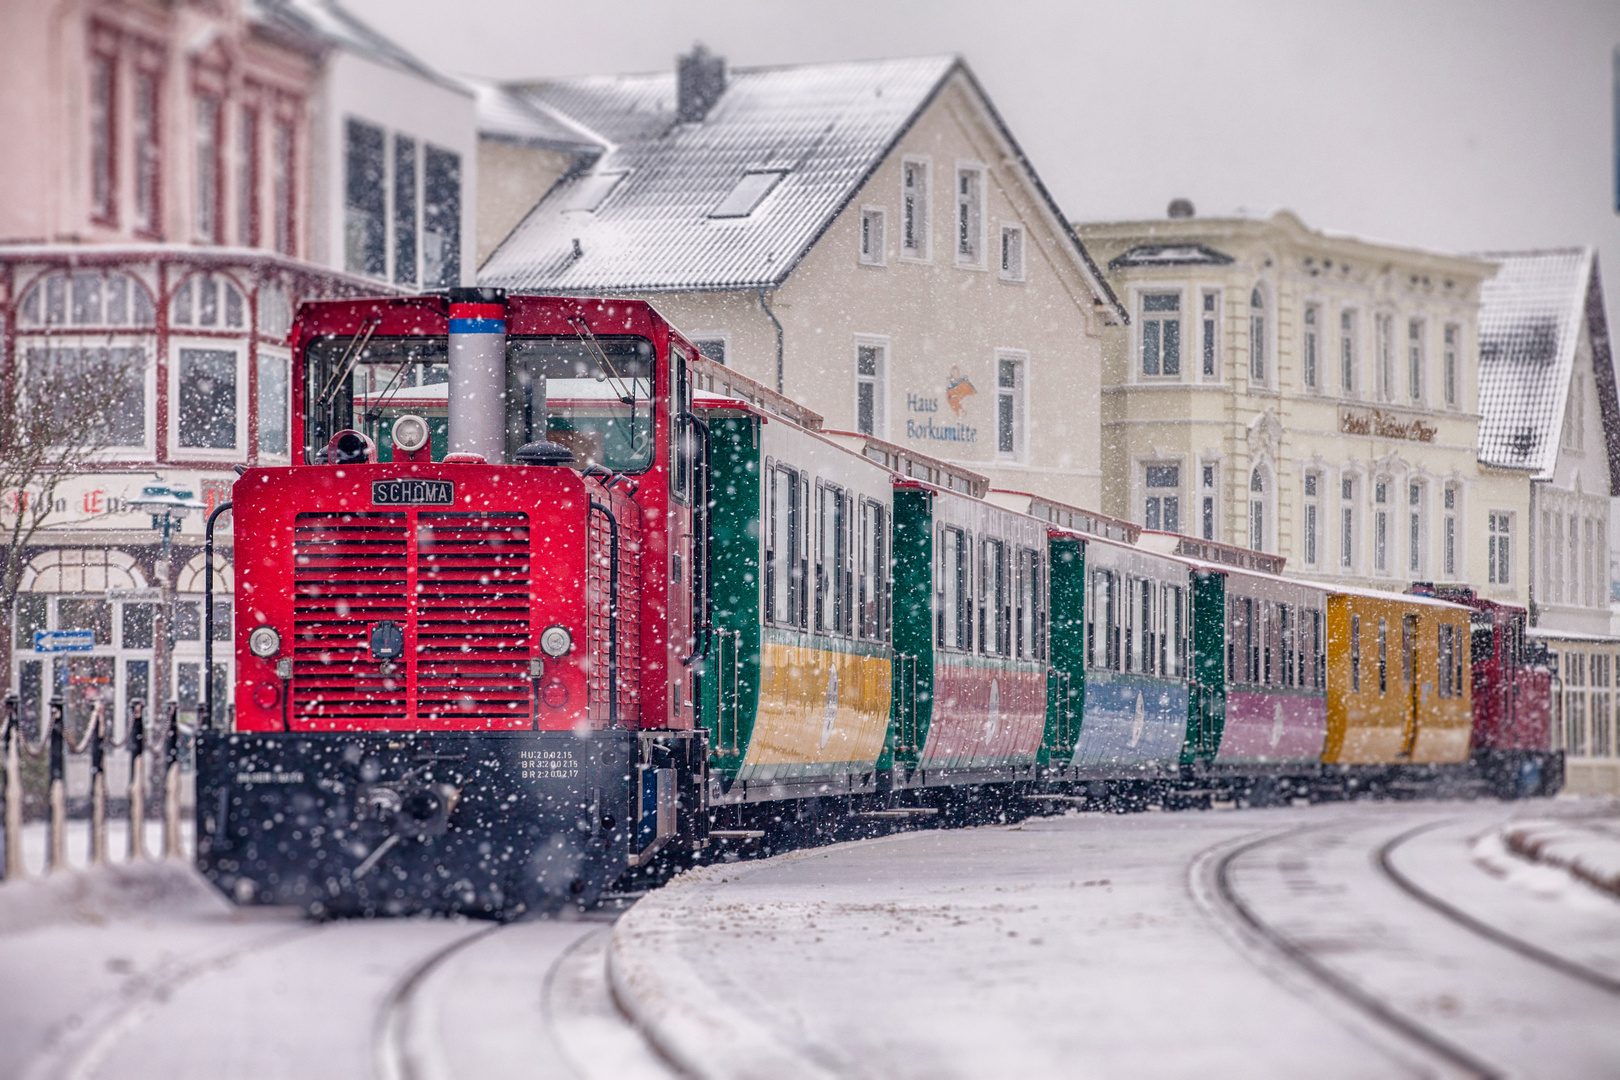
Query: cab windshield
point(595, 395)
point(364, 384)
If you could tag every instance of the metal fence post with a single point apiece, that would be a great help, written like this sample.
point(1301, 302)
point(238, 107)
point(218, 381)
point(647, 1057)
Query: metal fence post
point(98, 787)
point(14, 869)
point(56, 850)
point(171, 782)
point(137, 779)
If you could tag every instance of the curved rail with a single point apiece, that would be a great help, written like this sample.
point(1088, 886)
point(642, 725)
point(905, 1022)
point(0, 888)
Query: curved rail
point(1496, 935)
point(1236, 910)
point(392, 1054)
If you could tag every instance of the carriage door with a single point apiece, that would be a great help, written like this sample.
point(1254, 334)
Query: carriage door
point(1409, 670)
point(687, 550)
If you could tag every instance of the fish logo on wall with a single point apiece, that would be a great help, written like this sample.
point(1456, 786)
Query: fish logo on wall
point(958, 389)
point(830, 718)
point(1140, 725)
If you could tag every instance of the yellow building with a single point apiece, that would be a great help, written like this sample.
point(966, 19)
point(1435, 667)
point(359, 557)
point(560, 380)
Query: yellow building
point(1308, 395)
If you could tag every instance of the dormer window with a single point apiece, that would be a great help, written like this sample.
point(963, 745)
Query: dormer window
point(749, 192)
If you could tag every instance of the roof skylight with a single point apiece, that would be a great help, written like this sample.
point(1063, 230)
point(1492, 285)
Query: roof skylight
point(749, 193)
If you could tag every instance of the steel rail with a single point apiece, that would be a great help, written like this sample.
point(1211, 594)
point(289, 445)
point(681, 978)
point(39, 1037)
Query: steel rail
point(391, 1050)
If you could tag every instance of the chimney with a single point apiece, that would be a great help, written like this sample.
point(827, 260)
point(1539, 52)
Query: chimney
point(700, 79)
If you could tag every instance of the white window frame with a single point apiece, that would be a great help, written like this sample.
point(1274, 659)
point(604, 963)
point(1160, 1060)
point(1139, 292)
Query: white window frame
point(1143, 317)
point(1348, 367)
point(1209, 497)
point(1417, 360)
point(1500, 571)
point(1209, 334)
point(1266, 337)
point(1260, 512)
point(271, 354)
point(921, 217)
point(1019, 237)
point(143, 339)
point(880, 383)
point(1177, 493)
point(873, 254)
point(977, 260)
point(1310, 541)
point(1451, 373)
point(1451, 534)
point(1310, 347)
point(1417, 513)
point(1020, 396)
point(1348, 554)
point(1384, 354)
point(1381, 539)
point(236, 346)
point(722, 336)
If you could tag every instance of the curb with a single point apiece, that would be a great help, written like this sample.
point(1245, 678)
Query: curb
point(1591, 854)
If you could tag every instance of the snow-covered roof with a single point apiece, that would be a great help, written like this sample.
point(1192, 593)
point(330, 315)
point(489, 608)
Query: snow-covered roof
point(1170, 255)
point(329, 22)
point(506, 114)
point(1530, 324)
point(732, 201)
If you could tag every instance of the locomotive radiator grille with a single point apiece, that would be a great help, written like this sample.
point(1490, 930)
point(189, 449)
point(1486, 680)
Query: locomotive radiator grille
point(457, 584)
point(598, 596)
point(349, 572)
point(472, 616)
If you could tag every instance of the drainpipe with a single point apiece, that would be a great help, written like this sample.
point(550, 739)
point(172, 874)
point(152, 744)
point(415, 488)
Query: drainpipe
point(778, 324)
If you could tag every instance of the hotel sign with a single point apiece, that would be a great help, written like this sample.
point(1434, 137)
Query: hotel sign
point(1384, 425)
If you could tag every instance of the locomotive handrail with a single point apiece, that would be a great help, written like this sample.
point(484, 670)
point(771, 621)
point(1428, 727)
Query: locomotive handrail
point(613, 610)
point(207, 718)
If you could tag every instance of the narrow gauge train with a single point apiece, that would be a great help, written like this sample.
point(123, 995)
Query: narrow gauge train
point(533, 608)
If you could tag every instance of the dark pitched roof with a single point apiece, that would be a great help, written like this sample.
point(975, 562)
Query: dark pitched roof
point(1530, 320)
point(822, 129)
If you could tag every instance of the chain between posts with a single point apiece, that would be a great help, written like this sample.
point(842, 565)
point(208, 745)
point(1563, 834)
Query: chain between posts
point(55, 744)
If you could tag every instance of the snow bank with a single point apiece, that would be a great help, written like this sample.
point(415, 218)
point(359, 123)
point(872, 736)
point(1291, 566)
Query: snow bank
point(164, 888)
point(1589, 850)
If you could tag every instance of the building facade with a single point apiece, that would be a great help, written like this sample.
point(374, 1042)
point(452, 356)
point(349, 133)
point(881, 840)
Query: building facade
point(865, 237)
point(1310, 396)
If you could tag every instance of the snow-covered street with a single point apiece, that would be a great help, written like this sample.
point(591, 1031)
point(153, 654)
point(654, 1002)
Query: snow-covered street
point(1338, 940)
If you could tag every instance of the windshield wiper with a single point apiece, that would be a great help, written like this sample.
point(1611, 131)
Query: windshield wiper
point(351, 357)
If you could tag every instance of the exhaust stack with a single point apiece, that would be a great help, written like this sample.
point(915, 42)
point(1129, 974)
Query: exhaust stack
point(478, 373)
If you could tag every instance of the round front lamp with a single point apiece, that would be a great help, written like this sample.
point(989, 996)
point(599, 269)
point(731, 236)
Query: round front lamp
point(410, 433)
point(555, 641)
point(264, 642)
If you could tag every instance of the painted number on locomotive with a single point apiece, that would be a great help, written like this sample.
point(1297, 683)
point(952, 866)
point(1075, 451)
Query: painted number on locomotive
point(548, 764)
point(413, 493)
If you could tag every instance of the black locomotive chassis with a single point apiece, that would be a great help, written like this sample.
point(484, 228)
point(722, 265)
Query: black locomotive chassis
point(390, 823)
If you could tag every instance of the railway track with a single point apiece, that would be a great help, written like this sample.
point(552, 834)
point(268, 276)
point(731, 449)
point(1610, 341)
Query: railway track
point(402, 1046)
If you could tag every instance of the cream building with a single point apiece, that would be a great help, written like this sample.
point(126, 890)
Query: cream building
point(866, 237)
point(1307, 395)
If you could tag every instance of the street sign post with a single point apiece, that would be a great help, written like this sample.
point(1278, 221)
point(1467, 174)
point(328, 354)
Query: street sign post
point(53, 641)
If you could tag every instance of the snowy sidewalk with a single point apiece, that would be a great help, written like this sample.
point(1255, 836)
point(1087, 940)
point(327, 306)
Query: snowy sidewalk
point(1585, 847)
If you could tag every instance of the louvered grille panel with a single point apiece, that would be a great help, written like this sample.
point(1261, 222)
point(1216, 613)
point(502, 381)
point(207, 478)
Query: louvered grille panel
point(472, 619)
point(348, 572)
point(597, 601)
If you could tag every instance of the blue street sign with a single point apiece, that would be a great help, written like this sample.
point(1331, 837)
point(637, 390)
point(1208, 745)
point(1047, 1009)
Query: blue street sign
point(64, 640)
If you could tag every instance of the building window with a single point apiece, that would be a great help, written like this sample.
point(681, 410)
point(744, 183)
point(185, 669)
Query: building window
point(283, 189)
point(914, 209)
point(1012, 253)
point(1448, 543)
point(1451, 367)
point(247, 179)
point(1414, 361)
point(1347, 522)
point(1347, 353)
point(1010, 405)
point(1161, 335)
point(103, 140)
point(872, 241)
point(1257, 510)
point(1381, 525)
point(441, 219)
point(1211, 309)
point(404, 210)
point(1313, 507)
point(86, 298)
point(1257, 337)
point(1206, 500)
point(364, 202)
point(1385, 330)
point(208, 301)
point(148, 218)
point(209, 117)
point(1163, 507)
point(970, 216)
point(1500, 571)
point(1414, 529)
point(272, 404)
point(1308, 345)
point(712, 348)
point(52, 370)
point(205, 409)
point(870, 368)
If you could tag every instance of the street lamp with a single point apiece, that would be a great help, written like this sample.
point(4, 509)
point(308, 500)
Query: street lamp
point(168, 507)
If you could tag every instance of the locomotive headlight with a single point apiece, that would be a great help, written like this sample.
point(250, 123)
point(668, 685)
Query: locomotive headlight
point(555, 641)
point(264, 642)
point(410, 433)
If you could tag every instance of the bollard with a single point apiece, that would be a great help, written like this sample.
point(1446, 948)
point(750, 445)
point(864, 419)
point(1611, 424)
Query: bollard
point(14, 870)
point(171, 783)
point(98, 787)
point(137, 780)
point(56, 849)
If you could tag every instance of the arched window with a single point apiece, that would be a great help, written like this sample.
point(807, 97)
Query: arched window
point(275, 313)
point(1257, 336)
point(1257, 510)
point(208, 301)
point(91, 299)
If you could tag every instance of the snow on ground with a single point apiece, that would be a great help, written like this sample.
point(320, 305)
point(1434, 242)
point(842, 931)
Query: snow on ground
point(1587, 847)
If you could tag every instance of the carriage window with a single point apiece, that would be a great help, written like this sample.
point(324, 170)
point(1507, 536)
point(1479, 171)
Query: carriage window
point(951, 590)
point(1251, 646)
point(1027, 616)
point(1173, 636)
point(1139, 636)
point(1482, 643)
point(1317, 656)
point(874, 572)
point(1268, 640)
point(1285, 632)
point(1383, 655)
point(1102, 625)
point(595, 396)
point(784, 548)
point(835, 578)
point(995, 615)
point(1447, 651)
point(1355, 653)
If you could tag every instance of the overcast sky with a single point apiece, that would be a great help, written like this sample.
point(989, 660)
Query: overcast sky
point(1457, 126)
